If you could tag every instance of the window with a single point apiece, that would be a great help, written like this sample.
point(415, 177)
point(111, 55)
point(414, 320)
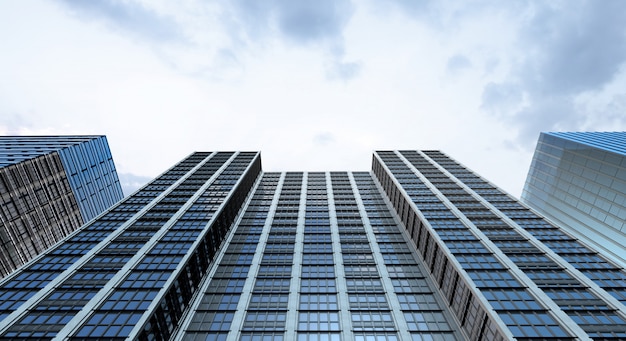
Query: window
point(490, 279)
point(110, 324)
point(219, 302)
point(479, 262)
point(159, 262)
point(362, 271)
point(318, 302)
point(317, 258)
point(232, 271)
point(272, 285)
point(393, 247)
point(279, 248)
point(355, 247)
point(364, 285)
point(317, 247)
point(278, 270)
point(211, 320)
point(606, 318)
point(404, 271)
point(265, 320)
point(368, 302)
point(532, 324)
point(129, 300)
point(259, 336)
point(418, 302)
point(318, 271)
point(426, 320)
point(226, 285)
point(317, 238)
point(372, 321)
point(375, 337)
point(317, 285)
point(511, 299)
point(319, 337)
point(398, 258)
point(268, 301)
point(358, 258)
point(318, 320)
point(412, 285)
point(276, 258)
point(437, 336)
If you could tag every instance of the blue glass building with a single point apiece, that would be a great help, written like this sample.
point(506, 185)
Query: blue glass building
point(419, 248)
point(578, 180)
point(49, 186)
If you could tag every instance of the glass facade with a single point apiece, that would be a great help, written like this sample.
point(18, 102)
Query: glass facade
point(420, 248)
point(49, 186)
point(578, 180)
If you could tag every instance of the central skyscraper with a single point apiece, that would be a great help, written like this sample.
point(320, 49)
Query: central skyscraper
point(420, 248)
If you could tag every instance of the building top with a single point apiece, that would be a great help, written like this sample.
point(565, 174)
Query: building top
point(14, 149)
point(612, 141)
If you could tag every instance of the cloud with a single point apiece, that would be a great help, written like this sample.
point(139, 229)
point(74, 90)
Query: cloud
point(132, 182)
point(457, 63)
point(574, 48)
point(14, 124)
point(342, 70)
point(318, 24)
point(128, 16)
point(305, 21)
point(299, 21)
point(203, 31)
point(566, 51)
point(324, 138)
point(547, 113)
point(420, 9)
point(502, 98)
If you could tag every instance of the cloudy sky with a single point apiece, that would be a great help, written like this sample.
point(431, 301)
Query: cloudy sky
point(314, 85)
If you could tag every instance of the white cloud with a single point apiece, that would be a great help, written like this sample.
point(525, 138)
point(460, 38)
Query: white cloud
point(313, 85)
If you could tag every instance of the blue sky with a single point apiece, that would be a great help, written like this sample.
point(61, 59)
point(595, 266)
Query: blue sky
point(314, 85)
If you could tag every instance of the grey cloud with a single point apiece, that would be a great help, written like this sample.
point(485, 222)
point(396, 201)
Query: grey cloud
point(491, 65)
point(501, 98)
point(566, 51)
point(449, 15)
point(546, 113)
point(574, 48)
point(323, 138)
point(423, 9)
point(306, 21)
point(129, 16)
point(457, 63)
point(132, 182)
point(300, 21)
point(343, 70)
point(609, 116)
point(14, 122)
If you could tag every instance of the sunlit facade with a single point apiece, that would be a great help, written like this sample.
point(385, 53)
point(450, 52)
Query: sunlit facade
point(50, 186)
point(418, 248)
point(578, 180)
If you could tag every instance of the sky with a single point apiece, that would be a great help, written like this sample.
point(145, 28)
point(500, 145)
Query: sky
point(314, 85)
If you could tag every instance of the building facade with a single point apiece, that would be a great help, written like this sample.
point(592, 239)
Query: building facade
point(49, 186)
point(578, 180)
point(419, 248)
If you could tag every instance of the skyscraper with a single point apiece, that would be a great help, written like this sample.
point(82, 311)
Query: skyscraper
point(420, 248)
point(578, 180)
point(49, 186)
